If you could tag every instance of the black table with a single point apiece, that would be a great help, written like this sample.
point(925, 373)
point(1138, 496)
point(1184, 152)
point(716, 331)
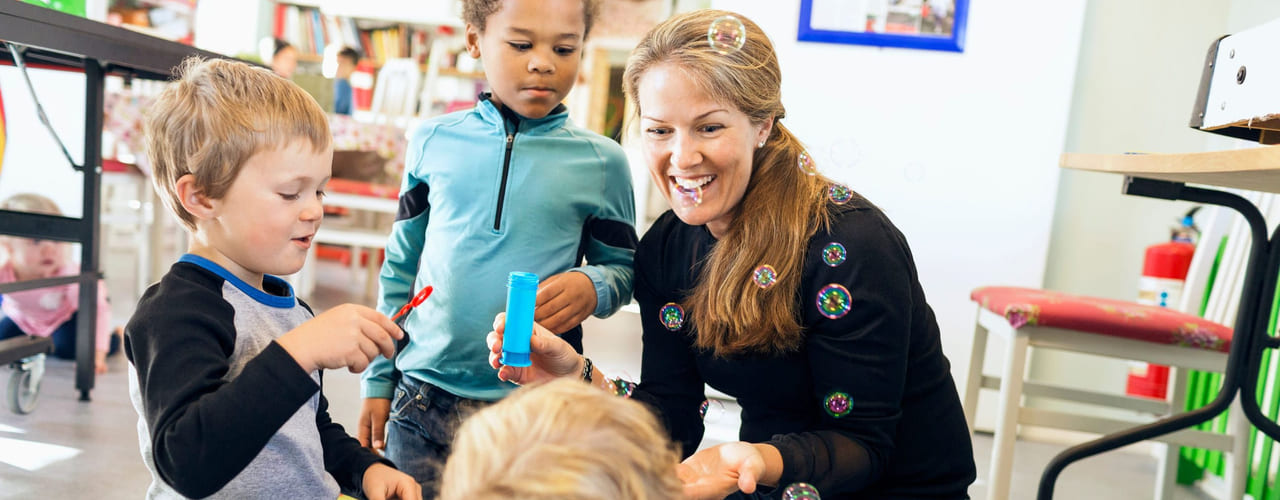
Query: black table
point(1166, 176)
point(49, 39)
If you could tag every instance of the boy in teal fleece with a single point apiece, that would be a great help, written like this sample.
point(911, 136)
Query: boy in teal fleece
point(510, 185)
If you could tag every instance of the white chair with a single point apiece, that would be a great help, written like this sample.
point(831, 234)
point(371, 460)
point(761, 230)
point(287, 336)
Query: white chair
point(1043, 319)
point(395, 93)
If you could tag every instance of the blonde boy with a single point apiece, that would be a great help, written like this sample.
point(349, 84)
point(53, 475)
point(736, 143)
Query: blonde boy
point(225, 363)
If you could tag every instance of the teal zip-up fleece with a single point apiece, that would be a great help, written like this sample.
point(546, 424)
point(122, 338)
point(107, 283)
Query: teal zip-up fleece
point(485, 193)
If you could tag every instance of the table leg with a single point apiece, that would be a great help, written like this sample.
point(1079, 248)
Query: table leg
point(1242, 346)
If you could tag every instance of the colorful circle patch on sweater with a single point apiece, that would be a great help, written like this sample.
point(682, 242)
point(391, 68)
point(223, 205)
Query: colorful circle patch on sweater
point(764, 276)
point(800, 491)
point(834, 254)
point(672, 316)
point(838, 404)
point(834, 301)
point(839, 194)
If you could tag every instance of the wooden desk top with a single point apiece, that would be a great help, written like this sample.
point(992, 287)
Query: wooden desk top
point(1255, 169)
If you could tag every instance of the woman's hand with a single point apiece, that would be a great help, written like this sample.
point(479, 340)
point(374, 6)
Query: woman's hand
point(724, 469)
point(551, 356)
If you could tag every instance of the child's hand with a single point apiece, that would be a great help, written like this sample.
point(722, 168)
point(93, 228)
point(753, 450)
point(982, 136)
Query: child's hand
point(371, 430)
point(384, 483)
point(550, 355)
point(348, 336)
point(564, 301)
point(100, 362)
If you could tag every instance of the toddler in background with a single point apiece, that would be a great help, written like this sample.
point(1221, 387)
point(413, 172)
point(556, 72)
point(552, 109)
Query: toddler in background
point(50, 311)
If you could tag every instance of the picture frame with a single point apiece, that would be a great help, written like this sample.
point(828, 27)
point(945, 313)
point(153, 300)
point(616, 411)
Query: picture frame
point(911, 24)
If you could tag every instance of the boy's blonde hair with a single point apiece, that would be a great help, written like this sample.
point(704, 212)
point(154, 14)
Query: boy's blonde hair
point(477, 12)
point(562, 440)
point(218, 114)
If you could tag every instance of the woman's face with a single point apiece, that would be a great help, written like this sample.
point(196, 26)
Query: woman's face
point(699, 150)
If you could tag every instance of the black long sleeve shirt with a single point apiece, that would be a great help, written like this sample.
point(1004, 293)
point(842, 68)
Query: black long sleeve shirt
point(224, 411)
point(865, 408)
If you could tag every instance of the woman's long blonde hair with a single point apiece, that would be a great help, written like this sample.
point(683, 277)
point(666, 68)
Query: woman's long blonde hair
point(782, 208)
point(563, 440)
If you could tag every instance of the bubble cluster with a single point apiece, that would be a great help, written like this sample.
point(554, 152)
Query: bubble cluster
point(805, 162)
point(838, 404)
point(800, 491)
point(689, 197)
point(833, 254)
point(834, 301)
point(671, 316)
point(764, 276)
point(839, 194)
point(726, 34)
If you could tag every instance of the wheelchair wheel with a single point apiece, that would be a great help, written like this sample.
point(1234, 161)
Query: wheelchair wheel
point(23, 391)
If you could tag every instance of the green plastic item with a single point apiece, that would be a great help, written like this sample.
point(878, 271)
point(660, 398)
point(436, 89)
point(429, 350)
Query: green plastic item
point(73, 7)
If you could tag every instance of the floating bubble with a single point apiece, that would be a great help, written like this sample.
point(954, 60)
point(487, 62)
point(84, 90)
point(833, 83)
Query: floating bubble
point(726, 34)
point(800, 491)
point(838, 404)
point(689, 197)
point(806, 165)
point(839, 194)
point(833, 254)
point(845, 153)
point(671, 316)
point(623, 387)
point(833, 301)
point(765, 276)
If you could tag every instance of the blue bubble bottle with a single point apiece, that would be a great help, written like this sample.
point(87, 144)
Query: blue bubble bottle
point(522, 291)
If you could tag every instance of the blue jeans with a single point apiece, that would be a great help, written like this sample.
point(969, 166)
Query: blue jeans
point(64, 338)
point(420, 429)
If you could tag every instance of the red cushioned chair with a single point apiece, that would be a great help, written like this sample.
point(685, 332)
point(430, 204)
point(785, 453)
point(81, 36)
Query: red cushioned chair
point(1051, 320)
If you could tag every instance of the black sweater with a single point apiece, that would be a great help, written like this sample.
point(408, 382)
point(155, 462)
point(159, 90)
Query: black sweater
point(902, 432)
point(225, 411)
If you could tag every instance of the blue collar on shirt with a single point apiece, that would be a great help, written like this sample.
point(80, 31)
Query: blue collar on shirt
point(279, 301)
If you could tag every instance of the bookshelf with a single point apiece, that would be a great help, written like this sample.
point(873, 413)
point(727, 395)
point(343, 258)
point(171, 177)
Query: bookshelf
point(429, 34)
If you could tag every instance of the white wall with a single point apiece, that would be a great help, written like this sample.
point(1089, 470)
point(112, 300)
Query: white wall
point(32, 161)
point(959, 149)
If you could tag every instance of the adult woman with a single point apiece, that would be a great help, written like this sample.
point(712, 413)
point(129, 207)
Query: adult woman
point(802, 298)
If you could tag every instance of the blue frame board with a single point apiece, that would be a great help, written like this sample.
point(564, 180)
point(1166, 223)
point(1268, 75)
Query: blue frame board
point(953, 43)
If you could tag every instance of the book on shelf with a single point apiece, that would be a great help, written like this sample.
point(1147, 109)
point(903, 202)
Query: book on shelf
point(312, 31)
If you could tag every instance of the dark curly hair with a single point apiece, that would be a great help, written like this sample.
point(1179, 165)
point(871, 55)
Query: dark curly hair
point(476, 12)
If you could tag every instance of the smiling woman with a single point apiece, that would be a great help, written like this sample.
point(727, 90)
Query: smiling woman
point(776, 286)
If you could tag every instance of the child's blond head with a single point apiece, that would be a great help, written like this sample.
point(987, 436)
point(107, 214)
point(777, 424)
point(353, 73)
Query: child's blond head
point(30, 202)
point(563, 440)
point(217, 115)
point(476, 12)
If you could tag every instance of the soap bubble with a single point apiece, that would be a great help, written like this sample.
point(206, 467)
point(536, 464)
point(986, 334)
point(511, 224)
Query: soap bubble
point(726, 34)
point(839, 194)
point(805, 162)
point(800, 491)
point(671, 316)
point(838, 404)
point(833, 254)
point(834, 301)
point(765, 276)
point(689, 197)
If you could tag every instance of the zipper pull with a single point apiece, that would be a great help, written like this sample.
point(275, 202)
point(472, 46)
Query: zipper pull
point(511, 138)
